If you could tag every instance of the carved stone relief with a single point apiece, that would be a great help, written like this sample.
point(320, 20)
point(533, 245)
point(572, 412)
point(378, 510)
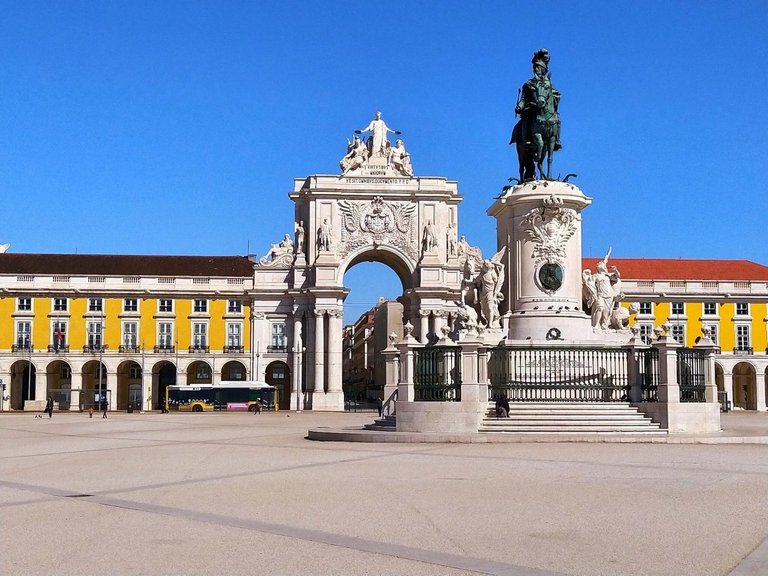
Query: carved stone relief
point(549, 228)
point(377, 223)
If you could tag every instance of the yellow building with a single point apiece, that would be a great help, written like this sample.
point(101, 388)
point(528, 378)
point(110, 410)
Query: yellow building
point(730, 297)
point(148, 321)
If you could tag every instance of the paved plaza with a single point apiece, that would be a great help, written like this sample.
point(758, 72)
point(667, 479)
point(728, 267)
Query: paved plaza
point(194, 494)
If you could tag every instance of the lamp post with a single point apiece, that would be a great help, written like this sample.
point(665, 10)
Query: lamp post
point(29, 374)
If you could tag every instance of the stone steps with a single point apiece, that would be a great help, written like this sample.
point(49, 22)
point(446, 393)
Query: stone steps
point(384, 424)
point(563, 418)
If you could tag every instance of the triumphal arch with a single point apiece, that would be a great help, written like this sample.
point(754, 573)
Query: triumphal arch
point(376, 209)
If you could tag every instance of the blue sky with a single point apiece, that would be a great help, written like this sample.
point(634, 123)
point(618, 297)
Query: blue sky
point(177, 127)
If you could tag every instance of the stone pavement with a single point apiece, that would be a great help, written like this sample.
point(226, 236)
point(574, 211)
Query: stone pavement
point(195, 494)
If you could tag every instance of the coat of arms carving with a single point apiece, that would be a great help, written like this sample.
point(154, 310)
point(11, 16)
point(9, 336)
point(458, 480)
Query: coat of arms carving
point(377, 222)
point(550, 227)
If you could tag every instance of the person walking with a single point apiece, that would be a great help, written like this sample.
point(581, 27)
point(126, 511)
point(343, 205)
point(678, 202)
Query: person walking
point(49, 406)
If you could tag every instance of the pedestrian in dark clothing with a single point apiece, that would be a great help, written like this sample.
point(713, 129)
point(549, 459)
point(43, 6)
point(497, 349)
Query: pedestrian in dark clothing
point(49, 407)
point(502, 407)
point(379, 406)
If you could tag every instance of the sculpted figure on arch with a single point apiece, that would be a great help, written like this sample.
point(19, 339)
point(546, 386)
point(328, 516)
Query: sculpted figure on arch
point(378, 142)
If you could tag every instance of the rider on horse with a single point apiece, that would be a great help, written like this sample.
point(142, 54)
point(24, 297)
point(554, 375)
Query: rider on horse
point(538, 132)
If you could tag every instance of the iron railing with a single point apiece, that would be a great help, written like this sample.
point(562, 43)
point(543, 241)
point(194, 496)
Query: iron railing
point(690, 375)
point(648, 373)
point(437, 374)
point(540, 374)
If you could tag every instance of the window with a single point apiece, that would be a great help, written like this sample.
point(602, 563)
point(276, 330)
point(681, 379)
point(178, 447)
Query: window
point(646, 308)
point(278, 336)
point(60, 304)
point(710, 308)
point(134, 372)
point(131, 334)
point(59, 335)
point(200, 306)
point(94, 335)
point(23, 334)
point(95, 305)
point(199, 335)
point(678, 333)
point(66, 372)
point(278, 372)
point(678, 308)
point(713, 335)
point(165, 305)
point(130, 305)
point(25, 304)
point(165, 334)
point(233, 335)
point(742, 338)
point(742, 309)
point(235, 307)
point(646, 333)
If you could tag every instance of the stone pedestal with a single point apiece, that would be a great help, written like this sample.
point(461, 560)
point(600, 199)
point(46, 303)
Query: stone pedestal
point(540, 224)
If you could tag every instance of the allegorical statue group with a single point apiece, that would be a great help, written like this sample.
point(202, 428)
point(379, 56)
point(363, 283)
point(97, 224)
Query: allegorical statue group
point(377, 145)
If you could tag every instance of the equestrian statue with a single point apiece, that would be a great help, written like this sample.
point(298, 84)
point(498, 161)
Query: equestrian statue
point(537, 133)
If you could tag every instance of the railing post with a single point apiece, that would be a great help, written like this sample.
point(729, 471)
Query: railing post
point(391, 370)
point(669, 389)
point(708, 347)
point(634, 348)
point(406, 346)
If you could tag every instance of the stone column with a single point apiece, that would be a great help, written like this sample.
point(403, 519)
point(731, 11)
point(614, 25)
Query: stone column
point(334, 399)
point(669, 389)
point(634, 348)
point(392, 375)
point(318, 396)
point(6, 378)
point(297, 348)
point(728, 386)
point(424, 326)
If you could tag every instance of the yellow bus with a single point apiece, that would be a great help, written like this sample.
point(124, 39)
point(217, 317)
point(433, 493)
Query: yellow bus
point(246, 395)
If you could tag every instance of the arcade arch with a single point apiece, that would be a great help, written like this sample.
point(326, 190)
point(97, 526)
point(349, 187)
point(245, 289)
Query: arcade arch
point(163, 375)
point(233, 370)
point(129, 385)
point(278, 374)
point(94, 385)
point(744, 386)
point(199, 372)
point(59, 383)
point(23, 383)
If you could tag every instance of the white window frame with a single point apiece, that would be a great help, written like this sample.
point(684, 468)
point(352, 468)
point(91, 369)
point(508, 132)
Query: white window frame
point(648, 305)
point(130, 304)
point(60, 304)
point(678, 333)
point(234, 334)
point(200, 306)
point(165, 337)
point(165, 305)
point(646, 332)
point(24, 304)
point(710, 314)
point(130, 338)
point(672, 312)
point(743, 333)
point(199, 335)
point(714, 332)
point(235, 307)
point(94, 332)
point(741, 309)
point(23, 335)
point(95, 304)
point(63, 326)
point(278, 338)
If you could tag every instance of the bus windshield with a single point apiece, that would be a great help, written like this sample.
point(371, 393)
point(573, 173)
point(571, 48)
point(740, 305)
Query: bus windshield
point(230, 396)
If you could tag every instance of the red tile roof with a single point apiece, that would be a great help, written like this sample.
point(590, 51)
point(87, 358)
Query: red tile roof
point(116, 265)
point(683, 269)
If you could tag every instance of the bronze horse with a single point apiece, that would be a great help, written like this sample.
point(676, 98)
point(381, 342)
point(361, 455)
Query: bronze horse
point(536, 135)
